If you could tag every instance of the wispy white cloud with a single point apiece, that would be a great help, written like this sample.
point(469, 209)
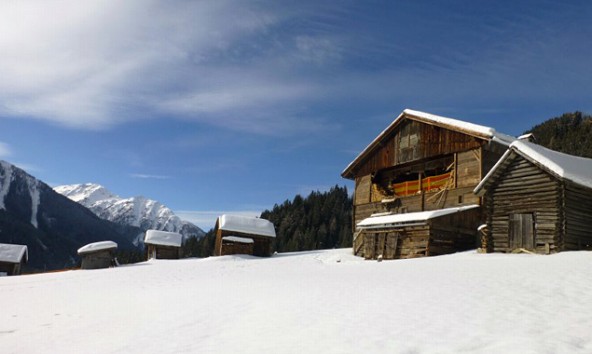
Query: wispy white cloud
point(101, 63)
point(262, 68)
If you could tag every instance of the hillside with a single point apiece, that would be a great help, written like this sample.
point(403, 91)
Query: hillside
point(52, 226)
point(570, 133)
point(311, 302)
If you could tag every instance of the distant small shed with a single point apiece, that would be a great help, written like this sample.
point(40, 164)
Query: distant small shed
point(98, 255)
point(538, 200)
point(163, 244)
point(420, 234)
point(232, 232)
point(12, 258)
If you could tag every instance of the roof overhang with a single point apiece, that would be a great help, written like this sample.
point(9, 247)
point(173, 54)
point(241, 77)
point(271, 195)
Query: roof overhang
point(409, 219)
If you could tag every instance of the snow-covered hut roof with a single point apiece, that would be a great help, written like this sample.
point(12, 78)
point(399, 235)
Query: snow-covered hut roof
point(572, 168)
point(13, 253)
point(407, 219)
point(163, 238)
point(476, 130)
point(246, 225)
point(238, 239)
point(97, 246)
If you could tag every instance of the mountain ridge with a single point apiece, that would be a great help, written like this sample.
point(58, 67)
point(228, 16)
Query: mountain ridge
point(137, 211)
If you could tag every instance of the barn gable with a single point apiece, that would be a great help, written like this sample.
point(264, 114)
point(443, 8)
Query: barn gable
point(416, 135)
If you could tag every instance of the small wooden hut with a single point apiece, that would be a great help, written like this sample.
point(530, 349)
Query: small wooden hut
point(163, 244)
point(422, 162)
point(427, 233)
point(12, 258)
point(538, 200)
point(260, 231)
point(98, 255)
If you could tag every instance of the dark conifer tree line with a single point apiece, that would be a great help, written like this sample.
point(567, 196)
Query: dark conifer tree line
point(322, 220)
point(319, 221)
point(570, 133)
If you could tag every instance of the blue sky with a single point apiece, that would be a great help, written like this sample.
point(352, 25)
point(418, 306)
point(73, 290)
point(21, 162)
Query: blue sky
point(233, 106)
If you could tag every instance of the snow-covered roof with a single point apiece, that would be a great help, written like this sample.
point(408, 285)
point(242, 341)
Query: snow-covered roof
point(477, 130)
point(238, 239)
point(13, 253)
point(406, 219)
point(246, 225)
point(163, 238)
point(569, 167)
point(97, 246)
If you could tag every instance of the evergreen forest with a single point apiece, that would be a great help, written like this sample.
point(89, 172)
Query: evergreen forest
point(570, 133)
point(322, 220)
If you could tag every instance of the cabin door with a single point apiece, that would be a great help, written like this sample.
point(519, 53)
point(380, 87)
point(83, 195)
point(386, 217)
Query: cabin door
point(522, 231)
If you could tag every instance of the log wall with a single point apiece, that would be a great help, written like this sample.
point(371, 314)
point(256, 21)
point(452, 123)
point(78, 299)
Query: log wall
point(229, 247)
point(97, 260)
point(162, 252)
point(522, 189)
point(578, 217)
point(262, 246)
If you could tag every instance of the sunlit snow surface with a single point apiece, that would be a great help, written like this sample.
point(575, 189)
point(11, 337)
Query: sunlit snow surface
point(314, 302)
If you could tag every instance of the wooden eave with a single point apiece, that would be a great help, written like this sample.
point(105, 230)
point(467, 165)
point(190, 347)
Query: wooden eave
point(379, 140)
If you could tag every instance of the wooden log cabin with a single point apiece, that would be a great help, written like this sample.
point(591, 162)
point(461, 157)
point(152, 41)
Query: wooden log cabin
point(421, 162)
point(163, 244)
point(538, 200)
point(98, 255)
point(234, 231)
point(12, 258)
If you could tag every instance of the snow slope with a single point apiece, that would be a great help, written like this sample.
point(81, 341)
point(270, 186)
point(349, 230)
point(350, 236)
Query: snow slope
point(136, 211)
point(313, 302)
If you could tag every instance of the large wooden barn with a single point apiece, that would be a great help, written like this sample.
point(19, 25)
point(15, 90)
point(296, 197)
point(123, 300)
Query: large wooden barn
point(12, 258)
point(421, 162)
point(243, 235)
point(98, 255)
point(163, 244)
point(538, 200)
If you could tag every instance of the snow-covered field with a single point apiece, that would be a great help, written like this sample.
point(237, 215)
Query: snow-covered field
point(312, 302)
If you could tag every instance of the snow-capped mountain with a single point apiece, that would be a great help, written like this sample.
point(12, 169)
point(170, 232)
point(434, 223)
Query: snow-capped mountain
point(136, 211)
point(53, 227)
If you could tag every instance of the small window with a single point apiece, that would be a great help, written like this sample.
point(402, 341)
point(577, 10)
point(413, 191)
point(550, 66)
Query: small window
point(460, 199)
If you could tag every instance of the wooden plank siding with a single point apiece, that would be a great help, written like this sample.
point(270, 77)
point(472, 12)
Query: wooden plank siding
point(578, 217)
point(525, 189)
point(432, 141)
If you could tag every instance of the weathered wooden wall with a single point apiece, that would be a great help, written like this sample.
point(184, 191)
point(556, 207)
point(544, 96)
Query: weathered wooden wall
point(231, 247)
point(10, 268)
point(410, 242)
point(442, 235)
point(262, 245)
point(162, 252)
point(97, 260)
point(578, 217)
point(525, 189)
point(431, 141)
